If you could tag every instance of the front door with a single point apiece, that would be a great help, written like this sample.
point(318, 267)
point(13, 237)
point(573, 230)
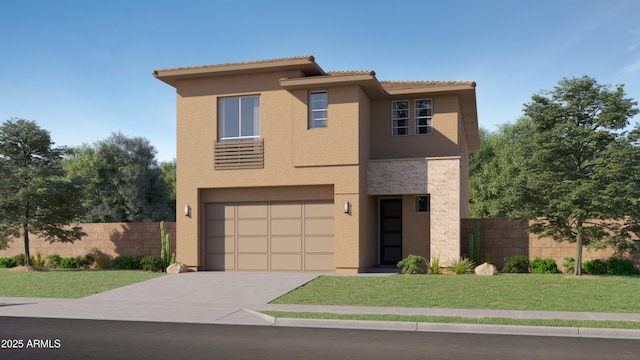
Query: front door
point(390, 231)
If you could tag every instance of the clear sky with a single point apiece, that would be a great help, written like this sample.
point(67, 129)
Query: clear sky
point(82, 69)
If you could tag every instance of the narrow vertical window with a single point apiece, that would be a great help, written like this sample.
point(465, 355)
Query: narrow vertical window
point(318, 109)
point(400, 118)
point(423, 203)
point(423, 117)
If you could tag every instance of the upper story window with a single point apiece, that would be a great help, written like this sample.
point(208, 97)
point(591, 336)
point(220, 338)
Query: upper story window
point(318, 109)
point(239, 118)
point(424, 113)
point(400, 118)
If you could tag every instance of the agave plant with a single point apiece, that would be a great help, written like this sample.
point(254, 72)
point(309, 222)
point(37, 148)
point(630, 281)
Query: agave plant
point(462, 266)
point(433, 266)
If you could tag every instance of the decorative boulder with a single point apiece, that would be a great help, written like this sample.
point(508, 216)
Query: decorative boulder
point(486, 269)
point(177, 268)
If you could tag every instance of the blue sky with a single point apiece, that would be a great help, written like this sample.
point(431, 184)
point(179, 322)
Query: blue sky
point(82, 69)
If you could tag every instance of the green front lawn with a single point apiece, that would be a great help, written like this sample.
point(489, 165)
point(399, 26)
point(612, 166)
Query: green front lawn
point(504, 292)
point(67, 283)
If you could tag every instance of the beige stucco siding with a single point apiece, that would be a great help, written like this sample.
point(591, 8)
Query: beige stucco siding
point(443, 141)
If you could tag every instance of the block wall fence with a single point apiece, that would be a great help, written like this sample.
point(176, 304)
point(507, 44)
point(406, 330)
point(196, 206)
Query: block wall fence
point(113, 239)
point(504, 238)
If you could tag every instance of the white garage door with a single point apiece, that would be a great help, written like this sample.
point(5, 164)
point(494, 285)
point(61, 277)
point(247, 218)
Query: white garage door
point(273, 236)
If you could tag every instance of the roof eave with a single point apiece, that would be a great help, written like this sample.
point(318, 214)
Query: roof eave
point(368, 82)
point(170, 76)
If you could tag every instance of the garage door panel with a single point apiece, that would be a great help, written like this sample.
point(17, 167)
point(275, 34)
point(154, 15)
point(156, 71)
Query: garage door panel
point(220, 211)
point(319, 262)
point(252, 262)
point(220, 244)
point(286, 227)
point(318, 210)
point(286, 210)
point(286, 262)
point(252, 244)
point(286, 244)
point(318, 244)
point(221, 262)
point(318, 227)
point(252, 211)
point(220, 227)
point(252, 227)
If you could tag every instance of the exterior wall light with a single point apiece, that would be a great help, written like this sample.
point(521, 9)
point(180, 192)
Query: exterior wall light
point(186, 210)
point(346, 207)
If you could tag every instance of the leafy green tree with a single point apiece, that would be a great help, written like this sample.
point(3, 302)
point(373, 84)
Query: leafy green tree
point(169, 175)
point(495, 169)
point(122, 181)
point(34, 196)
point(581, 181)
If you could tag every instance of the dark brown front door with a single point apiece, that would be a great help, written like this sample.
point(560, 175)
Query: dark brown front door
point(390, 231)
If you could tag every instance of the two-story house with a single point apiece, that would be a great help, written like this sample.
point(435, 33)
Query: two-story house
point(282, 166)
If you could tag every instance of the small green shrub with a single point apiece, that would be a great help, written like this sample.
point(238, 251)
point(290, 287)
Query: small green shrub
point(53, 260)
point(86, 261)
point(19, 259)
point(516, 264)
point(102, 260)
point(488, 258)
point(462, 266)
point(69, 263)
point(544, 266)
point(8, 262)
point(38, 260)
point(569, 265)
point(152, 263)
point(433, 266)
point(127, 262)
point(412, 264)
point(617, 266)
point(595, 267)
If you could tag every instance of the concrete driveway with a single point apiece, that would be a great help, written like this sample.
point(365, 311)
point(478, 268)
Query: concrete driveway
point(196, 297)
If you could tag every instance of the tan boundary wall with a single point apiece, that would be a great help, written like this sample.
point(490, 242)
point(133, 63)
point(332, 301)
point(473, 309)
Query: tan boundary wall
point(504, 238)
point(113, 239)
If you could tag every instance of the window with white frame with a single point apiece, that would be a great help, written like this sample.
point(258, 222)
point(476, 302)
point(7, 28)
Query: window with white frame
point(400, 118)
point(239, 118)
point(423, 117)
point(423, 203)
point(318, 104)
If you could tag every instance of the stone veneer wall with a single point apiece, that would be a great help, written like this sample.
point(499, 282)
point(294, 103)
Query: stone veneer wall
point(113, 239)
point(504, 238)
point(444, 190)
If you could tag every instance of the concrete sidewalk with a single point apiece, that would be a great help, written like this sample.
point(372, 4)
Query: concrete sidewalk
point(237, 298)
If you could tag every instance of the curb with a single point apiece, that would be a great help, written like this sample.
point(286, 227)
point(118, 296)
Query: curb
point(458, 328)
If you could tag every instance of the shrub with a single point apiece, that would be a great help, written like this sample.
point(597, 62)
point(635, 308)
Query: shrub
point(462, 266)
point(595, 267)
point(488, 258)
point(152, 263)
point(69, 263)
point(127, 262)
point(19, 259)
point(53, 260)
point(86, 261)
point(543, 266)
point(38, 260)
point(412, 264)
point(617, 266)
point(569, 265)
point(516, 264)
point(101, 260)
point(433, 266)
point(8, 262)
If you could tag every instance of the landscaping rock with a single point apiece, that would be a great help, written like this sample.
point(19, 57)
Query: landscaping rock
point(177, 268)
point(486, 269)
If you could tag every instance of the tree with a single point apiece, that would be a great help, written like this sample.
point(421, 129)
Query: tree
point(581, 181)
point(168, 169)
point(34, 196)
point(122, 181)
point(495, 169)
